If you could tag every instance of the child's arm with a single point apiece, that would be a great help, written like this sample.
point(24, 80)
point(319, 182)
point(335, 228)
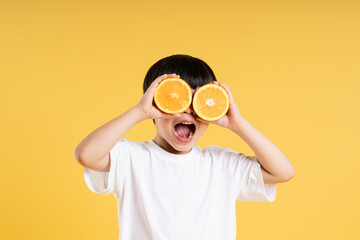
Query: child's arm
point(93, 152)
point(275, 166)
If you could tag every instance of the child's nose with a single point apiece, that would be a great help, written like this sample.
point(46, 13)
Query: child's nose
point(189, 110)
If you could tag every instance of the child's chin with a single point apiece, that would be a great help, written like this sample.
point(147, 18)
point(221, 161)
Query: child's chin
point(183, 149)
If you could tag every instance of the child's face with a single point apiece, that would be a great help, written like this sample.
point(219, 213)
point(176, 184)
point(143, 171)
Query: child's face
point(179, 135)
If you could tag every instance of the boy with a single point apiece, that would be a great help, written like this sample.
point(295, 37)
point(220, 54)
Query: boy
point(168, 188)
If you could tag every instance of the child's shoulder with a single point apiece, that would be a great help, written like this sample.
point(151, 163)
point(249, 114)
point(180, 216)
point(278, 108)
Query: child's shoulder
point(222, 153)
point(130, 144)
point(217, 150)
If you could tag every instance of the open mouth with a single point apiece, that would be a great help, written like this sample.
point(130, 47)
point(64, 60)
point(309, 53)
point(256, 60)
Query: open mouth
point(184, 131)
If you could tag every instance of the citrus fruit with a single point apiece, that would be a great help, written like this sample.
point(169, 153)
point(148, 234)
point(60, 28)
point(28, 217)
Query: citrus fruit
point(211, 102)
point(173, 95)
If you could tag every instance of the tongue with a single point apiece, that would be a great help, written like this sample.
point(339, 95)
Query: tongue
point(183, 130)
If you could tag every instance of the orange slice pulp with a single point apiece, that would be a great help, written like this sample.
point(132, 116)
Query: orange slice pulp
point(173, 95)
point(211, 102)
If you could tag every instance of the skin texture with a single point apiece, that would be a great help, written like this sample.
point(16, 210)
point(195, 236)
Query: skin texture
point(93, 151)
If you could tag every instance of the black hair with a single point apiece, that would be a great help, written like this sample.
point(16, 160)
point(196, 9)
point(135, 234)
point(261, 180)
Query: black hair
point(193, 70)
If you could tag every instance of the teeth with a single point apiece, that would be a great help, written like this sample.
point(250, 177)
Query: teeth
point(186, 123)
point(191, 134)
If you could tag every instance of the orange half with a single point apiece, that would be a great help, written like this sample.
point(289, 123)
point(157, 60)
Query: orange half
point(173, 95)
point(211, 102)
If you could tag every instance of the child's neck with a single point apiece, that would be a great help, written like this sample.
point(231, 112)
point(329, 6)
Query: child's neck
point(167, 147)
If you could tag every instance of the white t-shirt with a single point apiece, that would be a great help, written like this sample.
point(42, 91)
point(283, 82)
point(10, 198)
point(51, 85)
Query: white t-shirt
point(164, 196)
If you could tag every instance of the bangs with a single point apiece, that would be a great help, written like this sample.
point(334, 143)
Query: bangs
point(193, 70)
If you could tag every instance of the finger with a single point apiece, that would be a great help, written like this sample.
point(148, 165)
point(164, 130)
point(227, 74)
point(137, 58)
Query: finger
point(152, 88)
point(173, 75)
point(225, 86)
point(227, 89)
point(150, 92)
point(156, 82)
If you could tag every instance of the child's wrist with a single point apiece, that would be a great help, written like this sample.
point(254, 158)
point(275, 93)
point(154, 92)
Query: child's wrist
point(236, 124)
point(141, 115)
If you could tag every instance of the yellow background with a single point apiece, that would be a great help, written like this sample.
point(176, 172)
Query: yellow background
point(68, 67)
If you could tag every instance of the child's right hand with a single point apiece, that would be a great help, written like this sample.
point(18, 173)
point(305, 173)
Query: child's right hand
point(146, 104)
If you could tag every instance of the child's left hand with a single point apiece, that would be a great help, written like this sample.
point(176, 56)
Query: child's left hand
point(232, 117)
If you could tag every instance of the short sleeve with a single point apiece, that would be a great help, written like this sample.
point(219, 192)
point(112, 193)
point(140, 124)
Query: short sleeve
point(112, 181)
point(245, 171)
point(249, 183)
